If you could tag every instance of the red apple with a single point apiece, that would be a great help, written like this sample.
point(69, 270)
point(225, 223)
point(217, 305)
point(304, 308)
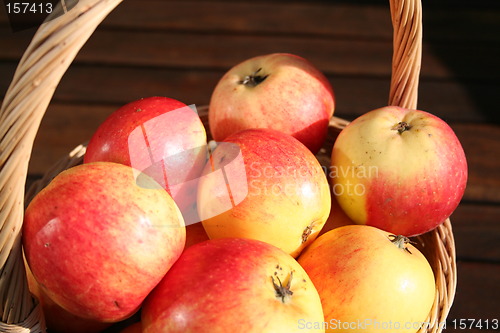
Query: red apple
point(279, 91)
point(98, 239)
point(163, 138)
point(233, 285)
point(266, 185)
point(57, 319)
point(400, 170)
point(369, 280)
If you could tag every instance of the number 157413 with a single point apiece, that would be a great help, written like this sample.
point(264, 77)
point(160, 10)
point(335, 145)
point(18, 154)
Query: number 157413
point(482, 324)
point(29, 7)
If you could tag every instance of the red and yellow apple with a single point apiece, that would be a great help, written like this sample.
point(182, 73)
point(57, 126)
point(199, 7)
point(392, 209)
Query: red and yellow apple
point(266, 185)
point(233, 285)
point(280, 91)
point(159, 136)
point(400, 170)
point(369, 280)
point(98, 239)
point(57, 319)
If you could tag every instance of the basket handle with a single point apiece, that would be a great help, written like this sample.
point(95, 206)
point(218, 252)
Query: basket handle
point(42, 66)
point(407, 53)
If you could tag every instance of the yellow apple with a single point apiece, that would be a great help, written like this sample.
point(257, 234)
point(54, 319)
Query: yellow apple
point(265, 185)
point(369, 280)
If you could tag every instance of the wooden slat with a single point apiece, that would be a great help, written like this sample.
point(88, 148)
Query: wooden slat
point(166, 49)
point(477, 295)
point(224, 51)
point(63, 128)
point(443, 21)
point(481, 143)
point(251, 17)
point(333, 56)
point(477, 232)
point(258, 17)
point(355, 95)
point(340, 18)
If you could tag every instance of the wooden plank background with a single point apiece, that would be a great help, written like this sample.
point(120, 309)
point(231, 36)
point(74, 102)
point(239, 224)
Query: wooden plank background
point(181, 48)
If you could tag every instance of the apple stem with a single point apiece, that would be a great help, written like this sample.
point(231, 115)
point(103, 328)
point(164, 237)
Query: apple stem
point(254, 79)
point(401, 127)
point(282, 291)
point(400, 241)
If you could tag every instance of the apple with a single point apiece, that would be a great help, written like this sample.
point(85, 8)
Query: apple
point(369, 280)
point(98, 239)
point(280, 91)
point(265, 185)
point(401, 170)
point(159, 136)
point(57, 319)
point(233, 285)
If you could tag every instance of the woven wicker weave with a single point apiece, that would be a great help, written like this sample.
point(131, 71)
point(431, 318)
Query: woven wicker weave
point(46, 59)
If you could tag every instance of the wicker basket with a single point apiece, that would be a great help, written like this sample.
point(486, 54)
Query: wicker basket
point(45, 61)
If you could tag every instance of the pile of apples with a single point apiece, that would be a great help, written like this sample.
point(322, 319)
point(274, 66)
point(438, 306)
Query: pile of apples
point(223, 236)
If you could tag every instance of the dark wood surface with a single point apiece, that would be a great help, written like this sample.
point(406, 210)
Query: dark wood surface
point(181, 48)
